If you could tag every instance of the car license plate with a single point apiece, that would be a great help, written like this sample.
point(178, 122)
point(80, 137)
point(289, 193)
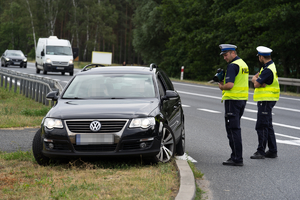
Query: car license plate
point(16, 63)
point(87, 139)
point(60, 68)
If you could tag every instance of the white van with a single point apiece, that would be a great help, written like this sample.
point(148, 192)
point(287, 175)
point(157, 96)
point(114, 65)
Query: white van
point(54, 55)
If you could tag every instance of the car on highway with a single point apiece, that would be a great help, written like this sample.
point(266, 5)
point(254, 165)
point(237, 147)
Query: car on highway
point(113, 111)
point(14, 57)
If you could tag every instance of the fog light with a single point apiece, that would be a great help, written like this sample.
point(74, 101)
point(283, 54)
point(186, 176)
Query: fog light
point(51, 145)
point(143, 145)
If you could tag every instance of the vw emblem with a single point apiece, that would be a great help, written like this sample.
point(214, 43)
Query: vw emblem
point(95, 126)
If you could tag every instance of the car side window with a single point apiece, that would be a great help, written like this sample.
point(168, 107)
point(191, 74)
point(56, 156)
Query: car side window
point(168, 82)
point(162, 91)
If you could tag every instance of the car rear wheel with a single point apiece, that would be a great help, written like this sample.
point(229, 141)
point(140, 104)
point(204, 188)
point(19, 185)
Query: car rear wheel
point(180, 147)
point(37, 147)
point(62, 73)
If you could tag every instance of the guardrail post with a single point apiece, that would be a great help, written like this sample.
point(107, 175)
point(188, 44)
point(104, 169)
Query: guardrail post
point(5, 82)
point(16, 85)
point(26, 88)
point(33, 90)
point(1, 80)
point(10, 83)
point(37, 92)
point(40, 93)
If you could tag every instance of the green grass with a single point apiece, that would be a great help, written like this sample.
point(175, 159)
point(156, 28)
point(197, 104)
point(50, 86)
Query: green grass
point(22, 178)
point(18, 111)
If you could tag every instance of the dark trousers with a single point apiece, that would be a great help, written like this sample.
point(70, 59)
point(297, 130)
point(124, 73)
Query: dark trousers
point(264, 127)
point(234, 110)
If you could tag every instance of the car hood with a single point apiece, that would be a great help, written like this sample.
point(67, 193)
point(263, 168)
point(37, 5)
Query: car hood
point(95, 109)
point(16, 57)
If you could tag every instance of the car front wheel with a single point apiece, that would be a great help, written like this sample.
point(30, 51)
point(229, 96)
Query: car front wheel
point(180, 147)
point(167, 147)
point(37, 147)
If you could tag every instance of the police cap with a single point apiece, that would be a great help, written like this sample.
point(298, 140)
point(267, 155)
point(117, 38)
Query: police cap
point(227, 47)
point(263, 51)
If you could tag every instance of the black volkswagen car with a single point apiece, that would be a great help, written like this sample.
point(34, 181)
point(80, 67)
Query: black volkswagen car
point(14, 57)
point(113, 111)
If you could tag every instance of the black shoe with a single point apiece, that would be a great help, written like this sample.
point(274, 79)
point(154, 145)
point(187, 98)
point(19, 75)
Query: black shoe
point(230, 162)
point(257, 155)
point(270, 155)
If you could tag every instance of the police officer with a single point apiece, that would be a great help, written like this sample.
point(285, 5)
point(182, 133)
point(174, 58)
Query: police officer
point(266, 94)
point(235, 93)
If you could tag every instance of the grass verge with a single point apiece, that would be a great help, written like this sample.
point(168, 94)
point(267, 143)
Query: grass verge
point(18, 111)
point(22, 178)
point(198, 175)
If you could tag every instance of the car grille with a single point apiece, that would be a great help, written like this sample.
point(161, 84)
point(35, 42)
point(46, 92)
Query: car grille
point(95, 148)
point(106, 126)
point(59, 63)
point(16, 60)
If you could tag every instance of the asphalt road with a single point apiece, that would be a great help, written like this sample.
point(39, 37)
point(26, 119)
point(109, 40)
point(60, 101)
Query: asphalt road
point(207, 143)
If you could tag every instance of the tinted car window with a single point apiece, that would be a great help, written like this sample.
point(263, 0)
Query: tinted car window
point(161, 87)
point(167, 81)
point(111, 86)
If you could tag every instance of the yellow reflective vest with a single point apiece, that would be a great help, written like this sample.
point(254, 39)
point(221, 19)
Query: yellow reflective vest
point(239, 91)
point(270, 92)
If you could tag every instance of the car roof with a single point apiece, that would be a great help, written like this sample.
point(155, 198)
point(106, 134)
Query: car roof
point(13, 50)
point(117, 69)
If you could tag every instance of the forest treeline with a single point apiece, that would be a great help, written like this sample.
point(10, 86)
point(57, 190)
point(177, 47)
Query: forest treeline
point(171, 33)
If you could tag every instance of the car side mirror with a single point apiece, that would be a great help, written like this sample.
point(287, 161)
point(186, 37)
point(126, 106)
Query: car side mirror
point(170, 94)
point(52, 96)
point(42, 53)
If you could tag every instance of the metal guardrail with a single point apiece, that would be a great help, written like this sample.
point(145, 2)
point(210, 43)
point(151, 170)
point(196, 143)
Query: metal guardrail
point(34, 87)
point(283, 81)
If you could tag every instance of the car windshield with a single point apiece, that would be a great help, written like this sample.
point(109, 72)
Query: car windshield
point(59, 50)
point(110, 86)
point(14, 53)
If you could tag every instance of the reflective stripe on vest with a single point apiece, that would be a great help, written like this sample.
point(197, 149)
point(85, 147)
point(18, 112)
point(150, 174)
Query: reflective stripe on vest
point(239, 91)
point(270, 92)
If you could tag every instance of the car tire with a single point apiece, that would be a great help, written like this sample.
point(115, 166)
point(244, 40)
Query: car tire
point(21, 66)
point(44, 71)
point(25, 66)
point(167, 148)
point(37, 70)
point(37, 147)
point(62, 73)
point(71, 73)
point(180, 147)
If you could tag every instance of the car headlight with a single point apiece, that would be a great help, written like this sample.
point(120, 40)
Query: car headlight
point(51, 123)
point(25, 59)
point(71, 61)
point(142, 122)
point(48, 60)
point(7, 59)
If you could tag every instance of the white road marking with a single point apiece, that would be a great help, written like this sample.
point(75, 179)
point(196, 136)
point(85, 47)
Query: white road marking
point(295, 141)
point(274, 123)
point(187, 106)
point(216, 88)
point(186, 157)
point(207, 110)
point(251, 103)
